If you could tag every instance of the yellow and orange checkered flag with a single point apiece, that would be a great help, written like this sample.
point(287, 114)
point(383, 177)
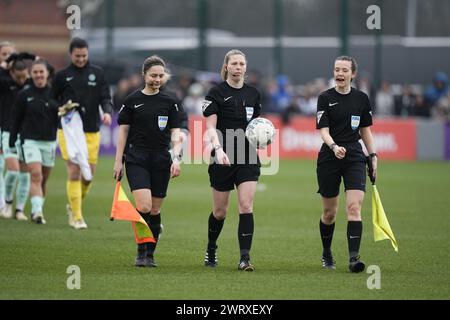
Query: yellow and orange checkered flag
point(122, 209)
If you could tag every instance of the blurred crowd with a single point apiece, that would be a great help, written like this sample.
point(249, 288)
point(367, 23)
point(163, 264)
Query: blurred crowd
point(281, 96)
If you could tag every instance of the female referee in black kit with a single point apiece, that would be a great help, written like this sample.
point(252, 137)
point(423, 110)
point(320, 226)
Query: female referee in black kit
point(228, 108)
point(343, 116)
point(145, 118)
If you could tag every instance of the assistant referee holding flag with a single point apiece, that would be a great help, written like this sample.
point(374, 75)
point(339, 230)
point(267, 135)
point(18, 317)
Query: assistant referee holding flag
point(344, 117)
point(145, 119)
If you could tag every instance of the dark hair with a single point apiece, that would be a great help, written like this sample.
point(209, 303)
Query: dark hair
point(51, 70)
point(15, 56)
point(48, 66)
point(152, 61)
point(78, 43)
point(351, 59)
point(41, 61)
point(19, 65)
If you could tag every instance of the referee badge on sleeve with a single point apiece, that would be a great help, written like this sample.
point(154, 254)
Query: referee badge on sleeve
point(319, 116)
point(205, 105)
point(162, 122)
point(355, 122)
point(249, 111)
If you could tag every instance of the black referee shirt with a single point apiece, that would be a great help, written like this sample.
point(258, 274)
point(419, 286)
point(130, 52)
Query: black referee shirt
point(182, 115)
point(344, 115)
point(235, 108)
point(88, 87)
point(150, 118)
point(35, 115)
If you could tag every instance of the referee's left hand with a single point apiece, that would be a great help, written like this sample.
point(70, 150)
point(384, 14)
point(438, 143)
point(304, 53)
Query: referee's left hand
point(374, 167)
point(118, 170)
point(106, 119)
point(175, 169)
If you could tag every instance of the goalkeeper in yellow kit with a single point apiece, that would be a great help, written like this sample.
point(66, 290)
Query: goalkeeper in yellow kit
point(84, 84)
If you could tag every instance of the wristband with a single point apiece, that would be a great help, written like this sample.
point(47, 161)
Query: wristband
point(374, 154)
point(332, 146)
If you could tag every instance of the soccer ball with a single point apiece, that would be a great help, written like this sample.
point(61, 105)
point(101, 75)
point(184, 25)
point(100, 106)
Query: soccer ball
point(260, 132)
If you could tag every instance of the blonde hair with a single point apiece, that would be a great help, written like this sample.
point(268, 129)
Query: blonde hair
point(223, 71)
point(6, 44)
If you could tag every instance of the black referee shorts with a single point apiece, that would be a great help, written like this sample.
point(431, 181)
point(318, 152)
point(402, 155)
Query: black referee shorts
point(148, 170)
point(329, 175)
point(224, 178)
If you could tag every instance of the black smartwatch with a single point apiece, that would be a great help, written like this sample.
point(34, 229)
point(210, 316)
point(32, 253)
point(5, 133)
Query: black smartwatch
point(179, 157)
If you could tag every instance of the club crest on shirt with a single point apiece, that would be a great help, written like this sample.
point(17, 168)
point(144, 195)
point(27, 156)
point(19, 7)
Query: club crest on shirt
point(249, 111)
point(162, 122)
point(92, 81)
point(319, 116)
point(355, 122)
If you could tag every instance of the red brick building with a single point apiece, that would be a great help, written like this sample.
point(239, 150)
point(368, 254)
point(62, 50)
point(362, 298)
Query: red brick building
point(37, 26)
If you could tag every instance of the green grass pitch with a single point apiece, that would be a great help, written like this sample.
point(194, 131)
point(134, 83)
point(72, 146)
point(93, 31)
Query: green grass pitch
point(286, 247)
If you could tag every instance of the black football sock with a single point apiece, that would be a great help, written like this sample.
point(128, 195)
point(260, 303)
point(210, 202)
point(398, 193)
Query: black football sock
point(245, 232)
point(326, 233)
point(154, 222)
point(145, 216)
point(214, 228)
point(142, 248)
point(354, 233)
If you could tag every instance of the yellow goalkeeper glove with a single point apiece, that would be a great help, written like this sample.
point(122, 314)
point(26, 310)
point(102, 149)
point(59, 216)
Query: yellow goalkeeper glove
point(65, 108)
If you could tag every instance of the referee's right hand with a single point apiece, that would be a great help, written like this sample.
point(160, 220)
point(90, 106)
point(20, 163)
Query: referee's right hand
point(118, 170)
point(222, 157)
point(175, 168)
point(339, 152)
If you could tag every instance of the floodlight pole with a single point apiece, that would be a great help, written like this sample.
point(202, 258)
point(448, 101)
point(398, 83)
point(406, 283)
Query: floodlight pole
point(278, 32)
point(344, 27)
point(109, 31)
point(378, 63)
point(411, 18)
point(202, 26)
